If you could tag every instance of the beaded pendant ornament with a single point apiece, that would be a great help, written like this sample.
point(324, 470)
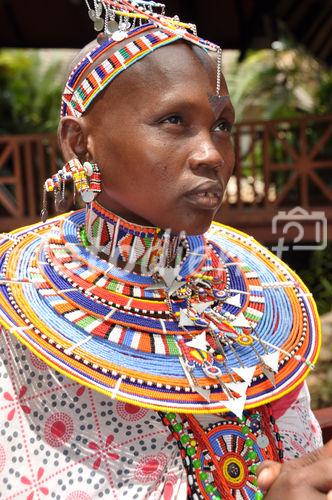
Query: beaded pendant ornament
point(86, 181)
point(220, 326)
point(221, 460)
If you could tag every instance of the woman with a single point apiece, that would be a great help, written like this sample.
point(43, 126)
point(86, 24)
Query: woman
point(180, 358)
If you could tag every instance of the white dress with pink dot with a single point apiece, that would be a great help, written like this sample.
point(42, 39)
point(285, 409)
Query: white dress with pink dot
point(63, 441)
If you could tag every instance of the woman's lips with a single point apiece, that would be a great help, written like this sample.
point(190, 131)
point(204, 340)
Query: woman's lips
point(208, 199)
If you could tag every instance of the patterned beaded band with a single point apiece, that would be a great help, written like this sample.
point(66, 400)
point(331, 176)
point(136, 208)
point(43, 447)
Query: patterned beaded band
point(222, 460)
point(77, 97)
point(79, 94)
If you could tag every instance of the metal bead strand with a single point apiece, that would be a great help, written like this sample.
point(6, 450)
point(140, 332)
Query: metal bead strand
point(219, 70)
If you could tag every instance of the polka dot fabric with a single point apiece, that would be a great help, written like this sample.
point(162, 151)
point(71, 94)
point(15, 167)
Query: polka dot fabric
point(64, 441)
point(60, 440)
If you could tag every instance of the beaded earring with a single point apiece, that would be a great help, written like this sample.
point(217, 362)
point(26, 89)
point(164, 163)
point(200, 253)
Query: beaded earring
point(93, 172)
point(86, 179)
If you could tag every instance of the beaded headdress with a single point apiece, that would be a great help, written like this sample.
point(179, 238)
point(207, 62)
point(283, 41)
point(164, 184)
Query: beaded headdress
point(123, 20)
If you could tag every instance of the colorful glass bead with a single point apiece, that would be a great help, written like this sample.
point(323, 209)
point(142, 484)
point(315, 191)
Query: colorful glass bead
point(252, 454)
point(191, 451)
point(197, 463)
point(262, 441)
point(185, 439)
point(255, 425)
point(178, 427)
point(253, 468)
point(204, 476)
point(249, 442)
point(220, 295)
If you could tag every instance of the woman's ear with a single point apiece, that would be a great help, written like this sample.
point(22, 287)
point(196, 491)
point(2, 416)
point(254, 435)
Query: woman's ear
point(72, 138)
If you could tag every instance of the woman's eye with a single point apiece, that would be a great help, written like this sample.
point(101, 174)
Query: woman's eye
point(173, 119)
point(224, 126)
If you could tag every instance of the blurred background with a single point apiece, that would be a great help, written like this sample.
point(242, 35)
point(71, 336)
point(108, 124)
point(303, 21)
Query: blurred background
point(277, 61)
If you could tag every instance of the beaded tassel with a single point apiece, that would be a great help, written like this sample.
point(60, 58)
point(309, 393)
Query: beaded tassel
point(86, 179)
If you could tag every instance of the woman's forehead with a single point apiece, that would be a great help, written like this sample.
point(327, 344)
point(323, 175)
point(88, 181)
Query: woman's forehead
point(136, 96)
point(169, 71)
point(178, 60)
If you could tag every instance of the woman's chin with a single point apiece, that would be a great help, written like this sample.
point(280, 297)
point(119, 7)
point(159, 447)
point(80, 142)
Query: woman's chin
point(195, 226)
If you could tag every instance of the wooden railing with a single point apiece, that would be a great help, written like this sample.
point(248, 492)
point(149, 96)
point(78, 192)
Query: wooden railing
point(324, 417)
point(284, 160)
point(25, 161)
point(280, 164)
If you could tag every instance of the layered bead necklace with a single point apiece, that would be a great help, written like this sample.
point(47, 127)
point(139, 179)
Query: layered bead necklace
point(185, 325)
point(221, 460)
point(198, 324)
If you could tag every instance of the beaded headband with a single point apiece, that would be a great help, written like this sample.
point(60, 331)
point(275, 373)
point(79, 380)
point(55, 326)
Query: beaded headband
point(79, 93)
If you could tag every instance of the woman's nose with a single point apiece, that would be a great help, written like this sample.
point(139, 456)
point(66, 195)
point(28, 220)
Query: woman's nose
point(205, 155)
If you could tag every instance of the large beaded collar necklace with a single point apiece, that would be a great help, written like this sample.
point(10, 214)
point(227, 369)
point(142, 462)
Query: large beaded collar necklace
point(212, 323)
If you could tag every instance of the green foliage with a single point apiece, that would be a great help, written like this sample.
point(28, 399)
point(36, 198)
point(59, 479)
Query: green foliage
point(30, 92)
point(270, 84)
point(324, 93)
point(318, 277)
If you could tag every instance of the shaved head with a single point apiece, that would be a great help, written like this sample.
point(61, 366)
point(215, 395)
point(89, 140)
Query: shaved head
point(207, 59)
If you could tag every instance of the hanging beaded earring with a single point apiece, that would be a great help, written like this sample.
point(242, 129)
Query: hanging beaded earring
point(93, 172)
point(86, 179)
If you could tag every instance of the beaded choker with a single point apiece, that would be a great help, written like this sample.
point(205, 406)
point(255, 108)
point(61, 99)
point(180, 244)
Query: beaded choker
point(222, 325)
point(130, 246)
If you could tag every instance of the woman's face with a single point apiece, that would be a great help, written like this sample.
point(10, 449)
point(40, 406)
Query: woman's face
point(164, 154)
